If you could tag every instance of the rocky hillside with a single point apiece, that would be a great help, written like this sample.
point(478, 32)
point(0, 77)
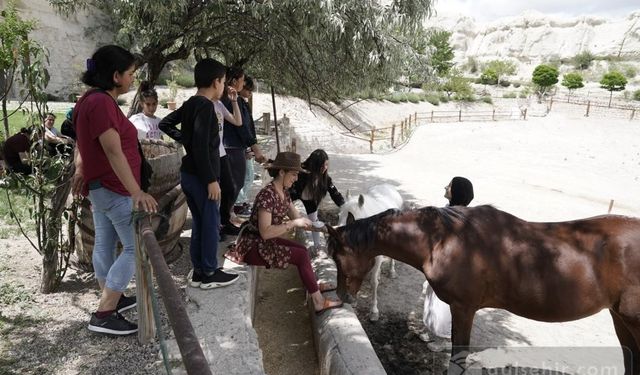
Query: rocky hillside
point(532, 38)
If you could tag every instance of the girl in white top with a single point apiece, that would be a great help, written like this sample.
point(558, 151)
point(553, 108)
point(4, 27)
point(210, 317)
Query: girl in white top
point(146, 122)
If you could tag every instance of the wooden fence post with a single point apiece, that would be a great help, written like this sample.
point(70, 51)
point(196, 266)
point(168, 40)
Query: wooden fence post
point(293, 144)
point(393, 134)
point(431, 115)
point(266, 118)
point(373, 130)
point(415, 118)
point(588, 107)
point(493, 115)
point(633, 112)
point(550, 103)
point(525, 113)
point(460, 116)
point(146, 321)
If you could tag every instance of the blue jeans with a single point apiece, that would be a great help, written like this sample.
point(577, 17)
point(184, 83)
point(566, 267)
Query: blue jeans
point(243, 196)
point(112, 221)
point(205, 226)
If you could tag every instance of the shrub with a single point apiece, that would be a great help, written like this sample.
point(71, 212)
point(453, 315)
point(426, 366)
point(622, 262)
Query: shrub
point(630, 71)
point(510, 95)
point(516, 84)
point(487, 99)
point(122, 101)
point(636, 95)
point(583, 60)
point(504, 83)
point(444, 98)
point(413, 97)
point(432, 98)
point(185, 80)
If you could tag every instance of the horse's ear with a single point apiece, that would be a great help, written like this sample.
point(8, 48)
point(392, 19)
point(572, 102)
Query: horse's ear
point(361, 200)
point(332, 232)
point(350, 218)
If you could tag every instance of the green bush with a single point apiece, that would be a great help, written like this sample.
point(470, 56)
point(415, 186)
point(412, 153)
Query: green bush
point(630, 72)
point(444, 98)
point(583, 60)
point(523, 94)
point(414, 97)
point(487, 99)
point(516, 84)
point(122, 101)
point(510, 95)
point(432, 98)
point(465, 98)
point(636, 95)
point(185, 80)
point(504, 83)
point(163, 102)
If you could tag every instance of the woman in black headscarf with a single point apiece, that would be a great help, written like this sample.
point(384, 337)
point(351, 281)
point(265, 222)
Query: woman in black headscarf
point(459, 192)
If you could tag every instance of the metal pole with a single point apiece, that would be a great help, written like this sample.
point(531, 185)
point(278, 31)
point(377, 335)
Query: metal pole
point(275, 117)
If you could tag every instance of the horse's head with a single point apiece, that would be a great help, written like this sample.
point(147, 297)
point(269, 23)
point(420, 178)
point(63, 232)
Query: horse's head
point(352, 265)
point(351, 210)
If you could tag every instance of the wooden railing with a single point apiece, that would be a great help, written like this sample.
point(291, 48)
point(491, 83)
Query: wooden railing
point(149, 255)
point(400, 132)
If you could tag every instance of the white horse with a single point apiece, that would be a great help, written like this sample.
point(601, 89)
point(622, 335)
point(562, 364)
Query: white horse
point(378, 198)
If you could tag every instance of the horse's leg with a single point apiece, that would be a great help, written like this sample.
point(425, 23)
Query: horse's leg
point(629, 311)
point(375, 280)
point(461, 323)
point(630, 350)
point(392, 269)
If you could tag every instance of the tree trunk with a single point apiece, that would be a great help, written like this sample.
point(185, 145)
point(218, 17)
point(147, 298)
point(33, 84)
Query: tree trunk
point(52, 269)
point(155, 64)
point(5, 119)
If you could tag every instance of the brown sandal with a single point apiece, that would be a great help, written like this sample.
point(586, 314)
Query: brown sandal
point(326, 287)
point(328, 306)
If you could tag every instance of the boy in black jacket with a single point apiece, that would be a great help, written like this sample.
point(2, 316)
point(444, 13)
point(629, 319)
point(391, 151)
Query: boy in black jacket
point(200, 171)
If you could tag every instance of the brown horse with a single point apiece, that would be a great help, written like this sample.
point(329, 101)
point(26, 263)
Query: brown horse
point(482, 257)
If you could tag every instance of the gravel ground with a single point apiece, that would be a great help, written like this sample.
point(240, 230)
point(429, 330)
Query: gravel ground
point(47, 334)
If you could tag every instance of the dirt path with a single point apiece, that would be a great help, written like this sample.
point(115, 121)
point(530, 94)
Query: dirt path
point(283, 324)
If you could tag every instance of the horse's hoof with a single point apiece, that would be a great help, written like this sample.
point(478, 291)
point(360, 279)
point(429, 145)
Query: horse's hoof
point(374, 317)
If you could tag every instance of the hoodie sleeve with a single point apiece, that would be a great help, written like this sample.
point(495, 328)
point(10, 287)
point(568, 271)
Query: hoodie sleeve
point(205, 144)
point(335, 194)
point(168, 125)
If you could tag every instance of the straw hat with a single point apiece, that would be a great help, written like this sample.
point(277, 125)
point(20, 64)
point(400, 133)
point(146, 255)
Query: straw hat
point(289, 161)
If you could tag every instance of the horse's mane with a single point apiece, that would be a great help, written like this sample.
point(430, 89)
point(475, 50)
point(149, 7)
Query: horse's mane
point(363, 232)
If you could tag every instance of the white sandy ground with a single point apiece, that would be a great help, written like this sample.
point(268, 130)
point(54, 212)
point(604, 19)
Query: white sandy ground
point(545, 169)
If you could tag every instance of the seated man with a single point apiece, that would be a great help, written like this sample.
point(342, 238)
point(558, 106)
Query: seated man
point(13, 147)
point(56, 143)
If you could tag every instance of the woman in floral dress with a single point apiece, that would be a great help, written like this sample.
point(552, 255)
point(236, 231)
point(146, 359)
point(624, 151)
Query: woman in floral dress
point(261, 244)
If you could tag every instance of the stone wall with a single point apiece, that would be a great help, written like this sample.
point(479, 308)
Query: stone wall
point(67, 41)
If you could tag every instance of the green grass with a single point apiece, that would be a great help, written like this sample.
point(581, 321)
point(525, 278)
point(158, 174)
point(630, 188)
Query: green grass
point(20, 120)
point(11, 294)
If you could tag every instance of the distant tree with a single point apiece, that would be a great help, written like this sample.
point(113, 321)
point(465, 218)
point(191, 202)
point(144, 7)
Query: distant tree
point(583, 60)
point(441, 52)
point(572, 81)
point(489, 77)
point(544, 77)
point(456, 84)
point(501, 68)
point(613, 81)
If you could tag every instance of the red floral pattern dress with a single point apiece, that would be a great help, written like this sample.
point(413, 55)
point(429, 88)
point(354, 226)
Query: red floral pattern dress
point(275, 255)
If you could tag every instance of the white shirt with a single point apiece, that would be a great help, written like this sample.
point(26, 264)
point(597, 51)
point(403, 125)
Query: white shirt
point(147, 126)
point(221, 113)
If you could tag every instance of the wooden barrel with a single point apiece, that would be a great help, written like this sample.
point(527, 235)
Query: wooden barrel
point(165, 159)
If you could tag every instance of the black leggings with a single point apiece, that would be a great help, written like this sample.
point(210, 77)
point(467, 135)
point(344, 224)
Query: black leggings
point(233, 167)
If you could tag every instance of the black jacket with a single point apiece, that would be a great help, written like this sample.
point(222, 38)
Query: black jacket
point(239, 136)
point(311, 205)
point(199, 134)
